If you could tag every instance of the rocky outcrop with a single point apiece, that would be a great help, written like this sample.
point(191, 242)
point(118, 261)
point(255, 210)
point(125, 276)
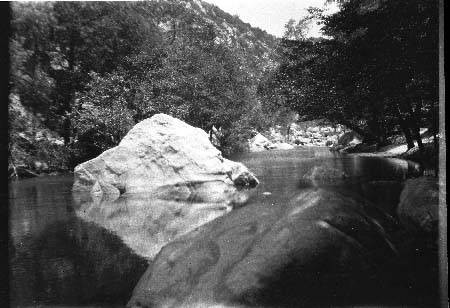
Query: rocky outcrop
point(317, 246)
point(168, 158)
point(418, 209)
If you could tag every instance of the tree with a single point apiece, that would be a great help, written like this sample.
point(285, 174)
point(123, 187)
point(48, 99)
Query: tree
point(376, 71)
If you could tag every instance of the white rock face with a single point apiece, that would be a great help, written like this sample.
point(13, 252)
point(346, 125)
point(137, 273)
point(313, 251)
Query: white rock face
point(167, 157)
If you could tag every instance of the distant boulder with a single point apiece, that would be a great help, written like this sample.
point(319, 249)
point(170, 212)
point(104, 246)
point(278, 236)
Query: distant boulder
point(260, 143)
point(167, 157)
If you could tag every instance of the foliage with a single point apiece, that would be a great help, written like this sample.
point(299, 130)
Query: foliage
point(89, 71)
point(376, 71)
point(31, 145)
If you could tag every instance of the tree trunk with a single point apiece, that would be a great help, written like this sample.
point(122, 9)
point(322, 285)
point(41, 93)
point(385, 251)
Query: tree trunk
point(416, 132)
point(288, 131)
point(415, 123)
point(365, 135)
point(407, 134)
point(405, 128)
point(69, 98)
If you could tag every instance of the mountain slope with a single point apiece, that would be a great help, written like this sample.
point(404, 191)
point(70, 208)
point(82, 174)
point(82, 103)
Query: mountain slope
point(256, 45)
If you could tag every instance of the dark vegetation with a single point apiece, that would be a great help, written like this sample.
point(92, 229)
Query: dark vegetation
point(87, 72)
point(84, 73)
point(376, 71)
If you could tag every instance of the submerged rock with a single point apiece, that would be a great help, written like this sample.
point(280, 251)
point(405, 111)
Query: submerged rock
point(167, 157)
point(418, 209)
point(320, 246)
point(324, 175)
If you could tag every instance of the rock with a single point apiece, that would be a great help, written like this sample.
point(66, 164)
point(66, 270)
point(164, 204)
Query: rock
point(314, 129)
point(319, 246)
point(298, 142)
point(349, 138)
point(167, 157)
point(40, 166)
point(418, 209)
point(283, 146)
point(304, 140)
point(329, 143)
point(260, 143)
point(325, 175)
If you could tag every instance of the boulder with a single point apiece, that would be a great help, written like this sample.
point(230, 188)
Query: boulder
point(304, 140)
point(168, 158)
point(283, 146)
point(260, 143)
point(418, 209)
point(317, 247)
point(349, 138)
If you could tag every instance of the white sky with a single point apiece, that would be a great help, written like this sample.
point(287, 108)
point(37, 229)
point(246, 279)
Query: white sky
point(272, 15)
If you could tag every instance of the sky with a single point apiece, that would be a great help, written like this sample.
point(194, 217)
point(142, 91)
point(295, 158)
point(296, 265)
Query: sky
point(272, 15)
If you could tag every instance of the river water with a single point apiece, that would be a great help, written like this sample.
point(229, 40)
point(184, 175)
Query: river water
point(57, 257)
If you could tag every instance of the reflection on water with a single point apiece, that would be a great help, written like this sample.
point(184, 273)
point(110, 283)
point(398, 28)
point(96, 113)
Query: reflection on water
point(146, 224)
point(284, 173)
point(86, 253)
point(57, 258)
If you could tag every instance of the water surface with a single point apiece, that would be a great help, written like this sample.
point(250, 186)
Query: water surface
point(57, 256)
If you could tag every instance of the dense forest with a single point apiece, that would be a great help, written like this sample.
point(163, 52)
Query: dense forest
point(83, 73)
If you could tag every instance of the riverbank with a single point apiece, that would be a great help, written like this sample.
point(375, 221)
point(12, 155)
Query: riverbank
point(428, 158)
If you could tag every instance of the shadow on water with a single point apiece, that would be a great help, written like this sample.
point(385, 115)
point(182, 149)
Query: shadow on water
point(56, 258)
point(75, 263)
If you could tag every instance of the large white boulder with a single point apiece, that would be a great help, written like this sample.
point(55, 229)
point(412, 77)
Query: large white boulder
point(168, 158)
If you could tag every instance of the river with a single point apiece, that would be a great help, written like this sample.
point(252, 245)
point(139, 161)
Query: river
point(57, 257)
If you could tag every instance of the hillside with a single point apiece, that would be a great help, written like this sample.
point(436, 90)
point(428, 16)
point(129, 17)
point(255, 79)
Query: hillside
point(255, 45)
point(90, 71)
